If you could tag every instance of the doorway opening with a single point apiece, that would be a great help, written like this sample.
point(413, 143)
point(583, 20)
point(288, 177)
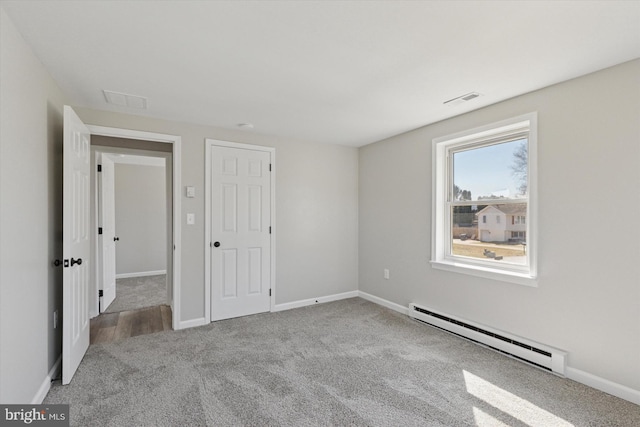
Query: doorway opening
point(141, 234)
point(133, 190)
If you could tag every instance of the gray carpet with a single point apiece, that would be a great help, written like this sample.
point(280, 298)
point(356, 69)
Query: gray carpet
point(139, 292)
point(345, 363)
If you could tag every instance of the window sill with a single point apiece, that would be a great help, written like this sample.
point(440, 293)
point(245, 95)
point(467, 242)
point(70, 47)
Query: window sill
point(524, 279)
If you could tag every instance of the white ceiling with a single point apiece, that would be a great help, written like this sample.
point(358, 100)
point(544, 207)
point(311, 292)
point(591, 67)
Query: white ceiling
point(340, 72)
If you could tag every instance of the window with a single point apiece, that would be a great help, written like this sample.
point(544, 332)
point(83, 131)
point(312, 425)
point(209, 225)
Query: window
point(479, 174)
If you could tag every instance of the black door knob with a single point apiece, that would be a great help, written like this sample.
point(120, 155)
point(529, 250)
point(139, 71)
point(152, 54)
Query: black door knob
point(76, 261)
point(57, 263)
point(116, 239)
point(216, 244)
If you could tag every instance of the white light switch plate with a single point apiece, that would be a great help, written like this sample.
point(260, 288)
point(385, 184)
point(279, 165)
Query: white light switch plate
point(191, 219)
point(191, 191)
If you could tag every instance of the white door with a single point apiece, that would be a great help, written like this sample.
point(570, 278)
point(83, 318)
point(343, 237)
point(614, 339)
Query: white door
point(76, 244)
point(108, 237)
point(240, 232)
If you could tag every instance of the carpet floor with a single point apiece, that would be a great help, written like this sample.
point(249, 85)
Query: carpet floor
point(139, 292)
point(345, 363)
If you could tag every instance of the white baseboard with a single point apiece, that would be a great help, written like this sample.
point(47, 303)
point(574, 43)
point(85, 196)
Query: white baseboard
point(192, 323)
point(577, 375)
point(46, 384)
point(383, 302)
point(312, 301)
point(615, 389)
point(140, 274)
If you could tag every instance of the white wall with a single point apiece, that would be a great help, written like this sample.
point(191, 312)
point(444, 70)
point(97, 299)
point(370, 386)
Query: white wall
point(140, 199)
point(587, 301)
point(316, 208)
point(30, 218)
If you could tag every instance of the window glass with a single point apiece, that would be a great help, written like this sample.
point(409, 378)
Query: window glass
point(483, 176)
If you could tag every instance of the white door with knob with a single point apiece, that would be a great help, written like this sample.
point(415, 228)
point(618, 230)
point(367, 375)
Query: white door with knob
point(76, 243)
point(107, 219)
point(240, 231)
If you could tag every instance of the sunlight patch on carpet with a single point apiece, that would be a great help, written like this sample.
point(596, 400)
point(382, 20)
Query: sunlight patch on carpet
point(509, 403)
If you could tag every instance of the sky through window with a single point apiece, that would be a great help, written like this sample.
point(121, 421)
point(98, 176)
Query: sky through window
point(488, 170)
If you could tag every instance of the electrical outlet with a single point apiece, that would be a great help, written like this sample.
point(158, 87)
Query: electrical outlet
point(386, 273)
point(55, 319)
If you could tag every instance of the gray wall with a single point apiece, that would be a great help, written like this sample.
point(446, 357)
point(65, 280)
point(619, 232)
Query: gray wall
point(30, 218)
point(140, 196)
point(316, 210)
point(588, 297)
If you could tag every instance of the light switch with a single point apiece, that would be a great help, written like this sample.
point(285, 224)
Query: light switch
point(191, 191)
point(191, 219)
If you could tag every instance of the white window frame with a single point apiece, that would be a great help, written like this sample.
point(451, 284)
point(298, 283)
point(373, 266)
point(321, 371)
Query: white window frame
point(442, 147)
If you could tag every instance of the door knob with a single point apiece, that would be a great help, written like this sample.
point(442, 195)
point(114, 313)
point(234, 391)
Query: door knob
point(57, 263)
point(116, 239)
point(216, 244)
point(76, 261)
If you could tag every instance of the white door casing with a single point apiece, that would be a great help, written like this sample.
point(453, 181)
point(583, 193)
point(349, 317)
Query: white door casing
point(108, 238)
point(76, 243)
point(240, 231)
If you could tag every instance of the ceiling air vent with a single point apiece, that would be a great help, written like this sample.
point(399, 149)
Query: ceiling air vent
point(460, 99)
point(125, 99)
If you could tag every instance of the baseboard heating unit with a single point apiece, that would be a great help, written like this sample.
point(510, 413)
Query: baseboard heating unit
point(540, 355)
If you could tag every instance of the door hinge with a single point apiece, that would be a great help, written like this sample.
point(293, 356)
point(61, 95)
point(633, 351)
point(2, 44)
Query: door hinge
point(269, 229)
point(269, 292)
point(99, 168)
point(100, 293)
point(269, 167)
point(99, 230)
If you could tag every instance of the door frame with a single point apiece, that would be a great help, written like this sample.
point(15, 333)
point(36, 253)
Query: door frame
point(176, 173)
point(209, 144)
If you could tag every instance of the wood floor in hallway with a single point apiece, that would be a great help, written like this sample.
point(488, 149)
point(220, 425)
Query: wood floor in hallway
point(109, 327)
